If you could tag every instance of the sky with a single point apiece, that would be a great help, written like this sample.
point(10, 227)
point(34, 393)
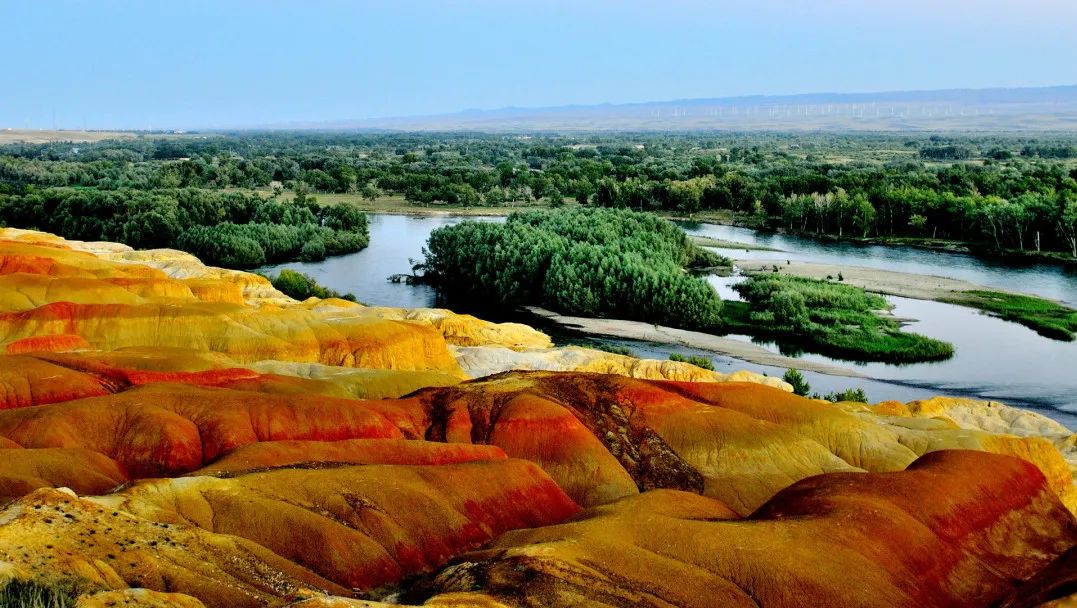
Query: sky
point(156, 64)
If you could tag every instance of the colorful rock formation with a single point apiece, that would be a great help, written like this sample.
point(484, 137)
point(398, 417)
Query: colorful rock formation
point(176, 435)
point(920, 537)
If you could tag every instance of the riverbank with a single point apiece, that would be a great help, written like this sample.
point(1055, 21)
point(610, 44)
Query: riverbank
point(948, 246)
point(706, 241)
point(1048, 318)
point(886, 282)
point(649, 332)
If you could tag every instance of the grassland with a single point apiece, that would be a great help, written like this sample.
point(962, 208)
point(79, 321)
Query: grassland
point(19, 594)
point(829, 318)
point(1047, 318)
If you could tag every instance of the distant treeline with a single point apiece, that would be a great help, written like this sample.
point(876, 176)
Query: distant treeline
point(998, 192)
point(223, 228)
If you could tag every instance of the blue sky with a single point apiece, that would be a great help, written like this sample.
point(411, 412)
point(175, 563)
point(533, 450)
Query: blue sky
point(192, 63)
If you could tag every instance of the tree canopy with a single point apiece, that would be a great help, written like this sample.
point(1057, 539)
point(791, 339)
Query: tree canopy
point(589, 262)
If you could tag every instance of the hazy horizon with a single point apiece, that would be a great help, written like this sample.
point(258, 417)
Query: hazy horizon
point(132, 65)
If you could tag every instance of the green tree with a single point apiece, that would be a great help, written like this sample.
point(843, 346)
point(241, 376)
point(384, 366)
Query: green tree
point(863, 214)
point(1067, 221)
point(796, 379)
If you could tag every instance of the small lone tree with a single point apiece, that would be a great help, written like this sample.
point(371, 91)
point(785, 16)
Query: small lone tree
point(800, 385)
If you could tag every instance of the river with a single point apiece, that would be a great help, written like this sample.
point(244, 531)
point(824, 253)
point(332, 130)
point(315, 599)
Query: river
point(993, 359)
point(1053, 281)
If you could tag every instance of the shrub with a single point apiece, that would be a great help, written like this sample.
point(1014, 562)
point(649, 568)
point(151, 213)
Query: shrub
point(788, 307)
point(313, 250)
point(27, 594)
point(850, 394)
point(695, 360)
point(302, 286)
point(795, 378)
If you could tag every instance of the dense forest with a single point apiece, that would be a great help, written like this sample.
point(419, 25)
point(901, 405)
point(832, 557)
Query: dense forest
point(230, 229)
point(589, 262)
point(994, 192)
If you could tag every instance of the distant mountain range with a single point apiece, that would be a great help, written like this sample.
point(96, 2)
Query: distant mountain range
point(998, 109)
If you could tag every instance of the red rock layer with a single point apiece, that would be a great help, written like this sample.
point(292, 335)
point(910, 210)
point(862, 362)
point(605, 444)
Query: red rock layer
point(171, 429)
point(361, 527)
point(278, 454)
point(600, 437)
point(26, 381)
point(85, 471)
point(956, 529)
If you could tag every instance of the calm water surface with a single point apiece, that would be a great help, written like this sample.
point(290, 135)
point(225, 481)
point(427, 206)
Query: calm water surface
point(1048, 280)
point(394, 241)
point(994, 359)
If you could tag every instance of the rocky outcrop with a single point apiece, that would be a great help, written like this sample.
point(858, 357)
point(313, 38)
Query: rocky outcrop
point(61, 540)
point(61, 296)
point(144, 598)
point(171, 429)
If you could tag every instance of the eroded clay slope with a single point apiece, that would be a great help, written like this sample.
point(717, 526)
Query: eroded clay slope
point(921, 537)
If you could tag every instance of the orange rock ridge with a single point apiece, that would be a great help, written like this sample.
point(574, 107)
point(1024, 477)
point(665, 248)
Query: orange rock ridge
point(920, 537)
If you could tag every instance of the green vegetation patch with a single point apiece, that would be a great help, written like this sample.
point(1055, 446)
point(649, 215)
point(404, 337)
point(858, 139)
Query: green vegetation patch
point(27, 594)
point(856, 395)
point(695, 360)
point(1047, 318)
point(230, 229)
point(588, 262)
point(801, 387)
point(302, 286)
point(797, 381)
point(830, 318)
point(615, 349)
